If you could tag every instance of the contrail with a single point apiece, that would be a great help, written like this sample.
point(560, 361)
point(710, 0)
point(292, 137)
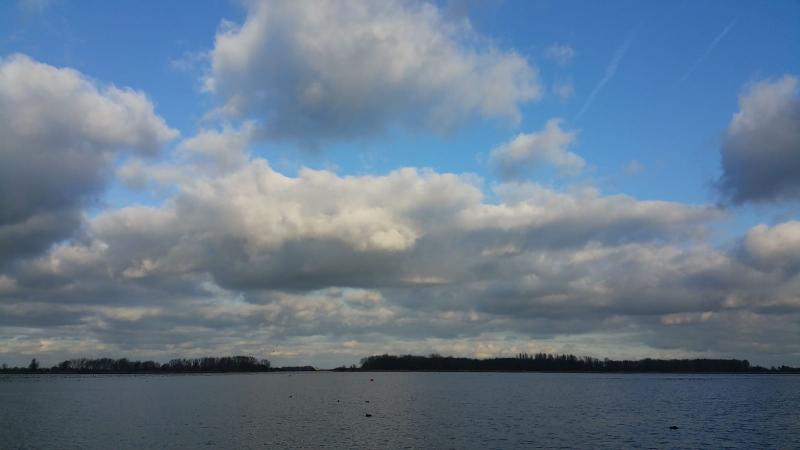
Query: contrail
point(611, 70)
point(710, 49)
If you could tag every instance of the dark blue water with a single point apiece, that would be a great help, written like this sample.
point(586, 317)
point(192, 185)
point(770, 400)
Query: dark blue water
point(409, 410)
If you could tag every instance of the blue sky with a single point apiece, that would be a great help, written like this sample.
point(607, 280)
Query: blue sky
point(649, 90)
point(646, 112)
point(664, 108)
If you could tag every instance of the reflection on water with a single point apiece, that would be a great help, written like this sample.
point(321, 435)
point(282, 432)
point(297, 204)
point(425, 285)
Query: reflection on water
point(408, 410)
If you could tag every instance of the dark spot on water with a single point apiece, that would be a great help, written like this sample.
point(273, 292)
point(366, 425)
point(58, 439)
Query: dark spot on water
point(673, 427)
point(368, 415)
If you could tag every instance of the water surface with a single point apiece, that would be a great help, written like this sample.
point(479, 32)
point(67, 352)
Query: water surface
point(409, 410)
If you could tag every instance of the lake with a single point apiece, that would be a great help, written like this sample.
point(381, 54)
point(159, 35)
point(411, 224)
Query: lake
point(409, 410)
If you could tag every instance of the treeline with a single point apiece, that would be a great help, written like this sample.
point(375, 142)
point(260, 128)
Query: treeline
point(181, 365)
point(543, 362)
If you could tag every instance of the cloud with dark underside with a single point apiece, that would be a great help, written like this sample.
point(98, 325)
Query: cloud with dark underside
point(528, 151)
point(61, 132)
point(257, 256)
point(761, 147)
point(326, 268)
point(314, 71)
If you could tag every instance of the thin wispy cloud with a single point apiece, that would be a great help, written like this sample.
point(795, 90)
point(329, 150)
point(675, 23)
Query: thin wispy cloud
point(710, 49)
point(611, 70)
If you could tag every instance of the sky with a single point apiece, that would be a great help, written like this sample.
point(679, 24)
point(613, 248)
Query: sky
point(314, 182)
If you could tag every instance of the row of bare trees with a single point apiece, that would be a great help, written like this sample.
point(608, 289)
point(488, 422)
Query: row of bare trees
point(543, 362)
point(124, 365)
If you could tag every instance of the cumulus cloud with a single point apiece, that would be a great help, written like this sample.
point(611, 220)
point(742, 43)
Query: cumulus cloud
point(527, 150)
point(761, 147)
point(257, 228)
point(60, 132)
point(774, 247)
point(223, 150)
point(312, 71)
point(214, 151)
point(320, 267)
point(319, 264)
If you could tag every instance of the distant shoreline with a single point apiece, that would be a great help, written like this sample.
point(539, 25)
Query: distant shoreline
point(521, 363)
point(767, 372)
point(124, 366)
point(560, 363)
point(312, 370)
point(153, 372)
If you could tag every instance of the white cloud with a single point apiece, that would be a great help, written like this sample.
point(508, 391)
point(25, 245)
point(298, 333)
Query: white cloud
point(761, 147)
point(583, 215)
point(776, 246)
point(226, 149)
point(291, 65)
point(320, 263)
point(60, 133)
point(525, 151)
point(255, 227)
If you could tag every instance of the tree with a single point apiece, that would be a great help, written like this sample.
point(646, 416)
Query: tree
point(34, 365)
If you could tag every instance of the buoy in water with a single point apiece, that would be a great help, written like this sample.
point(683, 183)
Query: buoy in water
point(368, 415)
